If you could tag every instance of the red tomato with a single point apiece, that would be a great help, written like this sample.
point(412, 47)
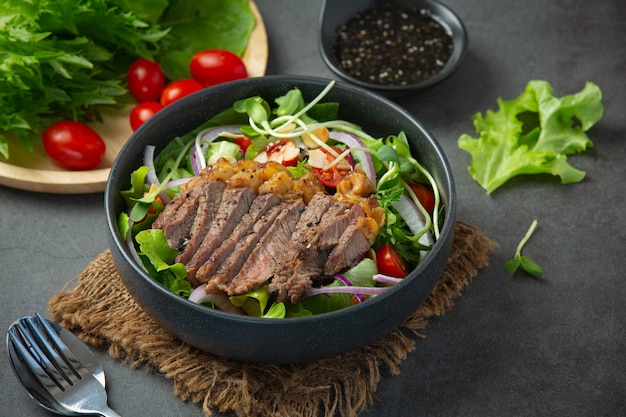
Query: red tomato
point(179, 89)
point(389, 262)
point(216, 66)
point(142, 112)
point(145, 80)
point(424, 195)
point(243, 142)
point(332, 176)
point(74, 145)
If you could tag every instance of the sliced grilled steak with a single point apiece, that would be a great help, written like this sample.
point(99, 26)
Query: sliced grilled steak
point(354, 242)
point(302, 235)
point(269, 251)
point(308, 258)
point(259, 207)
point(234, 205)
point(178, 216)
point(208, 205)
point(231, 266)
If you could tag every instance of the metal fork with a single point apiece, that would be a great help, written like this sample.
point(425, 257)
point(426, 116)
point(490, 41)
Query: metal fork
point(68, 380)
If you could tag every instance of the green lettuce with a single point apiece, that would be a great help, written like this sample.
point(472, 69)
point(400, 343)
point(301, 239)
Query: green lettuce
point(62, 59)
point(532, 134)
point(159, 260)
point(197, 25)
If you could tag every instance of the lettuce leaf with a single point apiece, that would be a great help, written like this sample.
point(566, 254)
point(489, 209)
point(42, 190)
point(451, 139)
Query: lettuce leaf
point(532, 134)
point(159, 259)
point(195, 25)
point(62, 59)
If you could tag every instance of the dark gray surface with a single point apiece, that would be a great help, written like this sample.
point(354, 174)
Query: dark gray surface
point(511, 346)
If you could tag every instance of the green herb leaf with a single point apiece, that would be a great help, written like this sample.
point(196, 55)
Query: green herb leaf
point(388, 154)
point(512, 265)
point(525, 262)
point(532, 134)
point(290, 103)
point(196, 25)
point(530, 266)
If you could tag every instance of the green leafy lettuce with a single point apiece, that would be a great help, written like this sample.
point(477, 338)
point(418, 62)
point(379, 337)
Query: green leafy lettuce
point(532, 134)
point(159, 260)
point(197, 25)
point(62, 59)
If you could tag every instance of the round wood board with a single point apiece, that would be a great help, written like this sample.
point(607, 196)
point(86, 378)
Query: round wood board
point(35, 171)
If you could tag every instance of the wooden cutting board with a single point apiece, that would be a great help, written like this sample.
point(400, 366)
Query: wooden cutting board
point(35, 171)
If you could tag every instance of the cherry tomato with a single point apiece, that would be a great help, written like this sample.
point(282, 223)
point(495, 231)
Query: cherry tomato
point(424, 195)
point(74, 145)
point(243, 142)
point(145, 80)
point(283, 151)
point(179, 89)
point(389, 262)
point(142, 112)
point(216, 66)
point(332, 176)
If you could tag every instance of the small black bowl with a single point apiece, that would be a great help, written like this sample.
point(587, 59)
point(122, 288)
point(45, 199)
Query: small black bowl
point(290, 340)
point(336, 13)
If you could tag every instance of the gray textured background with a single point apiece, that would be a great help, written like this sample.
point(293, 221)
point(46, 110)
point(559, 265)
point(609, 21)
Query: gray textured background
point(511, 346)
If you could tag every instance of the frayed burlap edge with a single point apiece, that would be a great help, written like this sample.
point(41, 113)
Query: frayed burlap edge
point(97, 307)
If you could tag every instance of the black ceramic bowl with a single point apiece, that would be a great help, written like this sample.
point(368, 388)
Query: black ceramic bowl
point(336, 13)
point(290, 340)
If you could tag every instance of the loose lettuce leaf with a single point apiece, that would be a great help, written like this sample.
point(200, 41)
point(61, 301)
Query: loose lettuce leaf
point(159, 261)
point(196, 25)
point(532, 134)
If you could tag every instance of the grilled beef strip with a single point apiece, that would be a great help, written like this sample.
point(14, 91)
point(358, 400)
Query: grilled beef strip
point(230, 267)
point(305, 228)
point(234, 205)
point(178, 215)
point(258, 208)
point(269, 251)
point(358, 237)
point(208, 205)
point(308, 261)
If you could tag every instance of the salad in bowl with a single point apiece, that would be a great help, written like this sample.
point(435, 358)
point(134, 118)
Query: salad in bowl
point(302, 216)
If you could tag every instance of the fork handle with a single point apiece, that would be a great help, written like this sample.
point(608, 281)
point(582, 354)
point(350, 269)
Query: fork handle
point(108, 412)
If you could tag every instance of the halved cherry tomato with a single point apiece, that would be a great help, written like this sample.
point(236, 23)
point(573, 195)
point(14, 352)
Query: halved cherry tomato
point(142, 112)
point(389, 262)
point(283, 151)
point(243, 142)
point(145, 80)
point(179, 89)
point(216, 66)
point(332, 176)
point(425, 195)
point(74, 145)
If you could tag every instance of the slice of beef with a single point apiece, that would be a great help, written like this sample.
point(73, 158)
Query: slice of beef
point(299, 242)
point(269, 251)
point(231, 266)
point(308, 264)
point(258, 209)
point(178, 215)
point(234, 205)
point(354, 242)
point(208, 205)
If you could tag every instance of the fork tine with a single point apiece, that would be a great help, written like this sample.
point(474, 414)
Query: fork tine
point(68, 362)
point(29, 354)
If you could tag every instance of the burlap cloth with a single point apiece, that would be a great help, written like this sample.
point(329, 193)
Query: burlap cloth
point(97, 307)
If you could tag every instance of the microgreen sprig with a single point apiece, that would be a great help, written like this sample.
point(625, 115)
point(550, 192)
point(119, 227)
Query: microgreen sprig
point(521, 261)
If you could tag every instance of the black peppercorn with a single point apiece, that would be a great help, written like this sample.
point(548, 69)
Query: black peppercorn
point(393, 44)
